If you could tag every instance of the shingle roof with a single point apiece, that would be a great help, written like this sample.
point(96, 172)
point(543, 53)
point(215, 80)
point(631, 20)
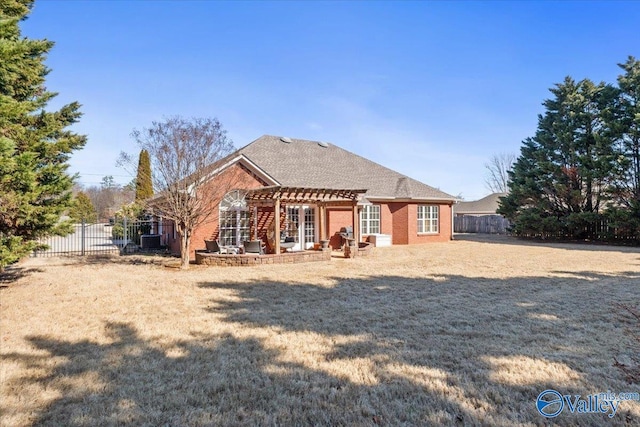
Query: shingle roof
point(486, 205)
point(302, 163)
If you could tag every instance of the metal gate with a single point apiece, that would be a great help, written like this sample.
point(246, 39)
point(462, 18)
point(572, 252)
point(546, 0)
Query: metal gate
point(104, 238)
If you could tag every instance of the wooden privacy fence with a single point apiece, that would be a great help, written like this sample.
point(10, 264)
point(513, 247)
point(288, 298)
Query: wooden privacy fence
point(488, 224)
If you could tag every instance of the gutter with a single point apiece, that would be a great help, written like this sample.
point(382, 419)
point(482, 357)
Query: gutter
point(455, 202)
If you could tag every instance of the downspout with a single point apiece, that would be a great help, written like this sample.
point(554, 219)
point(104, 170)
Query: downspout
point(452, 217)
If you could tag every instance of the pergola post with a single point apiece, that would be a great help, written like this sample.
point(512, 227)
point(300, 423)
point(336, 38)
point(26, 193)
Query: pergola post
point(255, 223)
point(276, 224)
point(356, 223)
point(323, 221)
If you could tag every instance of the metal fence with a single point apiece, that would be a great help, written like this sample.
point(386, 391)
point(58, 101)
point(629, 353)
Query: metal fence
point(116, 237)
point(488, 224)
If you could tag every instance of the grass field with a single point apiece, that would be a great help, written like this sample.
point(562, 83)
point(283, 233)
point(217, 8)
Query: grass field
point(461, 333)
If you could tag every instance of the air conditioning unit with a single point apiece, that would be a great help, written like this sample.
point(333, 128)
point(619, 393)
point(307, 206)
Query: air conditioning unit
point(150, 241)
point(380, 240)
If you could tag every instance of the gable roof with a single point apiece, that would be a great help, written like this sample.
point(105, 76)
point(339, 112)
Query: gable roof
point(485, 206)
point(303, 163)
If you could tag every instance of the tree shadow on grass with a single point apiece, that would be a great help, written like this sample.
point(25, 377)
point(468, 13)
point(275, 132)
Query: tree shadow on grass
point(495, 343)
point(209, 380)
point(567, 245)
point(395, 351)
point(108, 259)
point(15, 272)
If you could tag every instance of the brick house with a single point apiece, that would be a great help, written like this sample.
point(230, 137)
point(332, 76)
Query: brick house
point(318, 188)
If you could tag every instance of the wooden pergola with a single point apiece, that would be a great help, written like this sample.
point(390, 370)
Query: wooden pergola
point(275, 196)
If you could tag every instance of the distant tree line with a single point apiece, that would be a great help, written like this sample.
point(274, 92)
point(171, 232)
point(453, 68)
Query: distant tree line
point(106, 201)
point(578, 177)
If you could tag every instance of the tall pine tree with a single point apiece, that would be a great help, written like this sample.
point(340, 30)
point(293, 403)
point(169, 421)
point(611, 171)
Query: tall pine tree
point(624, 209)
point(35, 146)
point(144, 186)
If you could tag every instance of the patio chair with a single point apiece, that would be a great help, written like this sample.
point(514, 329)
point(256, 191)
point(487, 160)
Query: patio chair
point(253, 247)
point(212, 246)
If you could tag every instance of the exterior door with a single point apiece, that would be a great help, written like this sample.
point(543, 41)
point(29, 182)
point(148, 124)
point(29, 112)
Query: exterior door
point(301, 226)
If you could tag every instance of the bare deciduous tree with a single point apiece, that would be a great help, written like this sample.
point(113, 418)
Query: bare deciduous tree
point(497, 179)
point(183, 153)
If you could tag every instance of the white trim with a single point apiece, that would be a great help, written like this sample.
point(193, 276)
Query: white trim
point(368, 220)
point(241, 158)
point(428, 219)
point(373, 199)
point(301, 212)
point(237, 210)
point(256, 169)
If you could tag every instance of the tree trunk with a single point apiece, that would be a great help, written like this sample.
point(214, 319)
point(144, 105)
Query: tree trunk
point(635, 158)
point(184, 249)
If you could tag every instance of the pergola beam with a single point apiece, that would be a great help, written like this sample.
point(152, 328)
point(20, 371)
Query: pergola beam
point(291, 195)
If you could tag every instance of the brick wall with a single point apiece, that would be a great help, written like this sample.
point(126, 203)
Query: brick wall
point(404, 223)
point(251, 259)
point(444, 230)
point(386, 219)
point(336, 219)
point(400, 219)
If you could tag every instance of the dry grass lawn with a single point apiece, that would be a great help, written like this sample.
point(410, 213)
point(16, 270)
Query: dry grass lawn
point(461, 333)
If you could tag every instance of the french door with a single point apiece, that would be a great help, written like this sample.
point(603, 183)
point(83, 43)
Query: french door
point(300, 224)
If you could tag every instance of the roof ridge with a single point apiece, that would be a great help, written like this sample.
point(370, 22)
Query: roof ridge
point(251, 143)
point(299, 162)
point(400, 174)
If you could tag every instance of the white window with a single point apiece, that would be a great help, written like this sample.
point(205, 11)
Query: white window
point(370, 219)
point(427, 219)
point(234, 219)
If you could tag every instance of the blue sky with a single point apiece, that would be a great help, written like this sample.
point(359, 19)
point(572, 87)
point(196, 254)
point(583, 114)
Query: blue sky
point(430, 89)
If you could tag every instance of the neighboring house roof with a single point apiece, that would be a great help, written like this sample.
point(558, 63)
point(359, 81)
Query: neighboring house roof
point(302, 163)
point(486, 206)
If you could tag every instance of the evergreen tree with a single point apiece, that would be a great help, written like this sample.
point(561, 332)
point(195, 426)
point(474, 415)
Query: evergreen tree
point(34, 144)
point(625, 122)
point(559, 183)
point(144, 187)
point(83, 209)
